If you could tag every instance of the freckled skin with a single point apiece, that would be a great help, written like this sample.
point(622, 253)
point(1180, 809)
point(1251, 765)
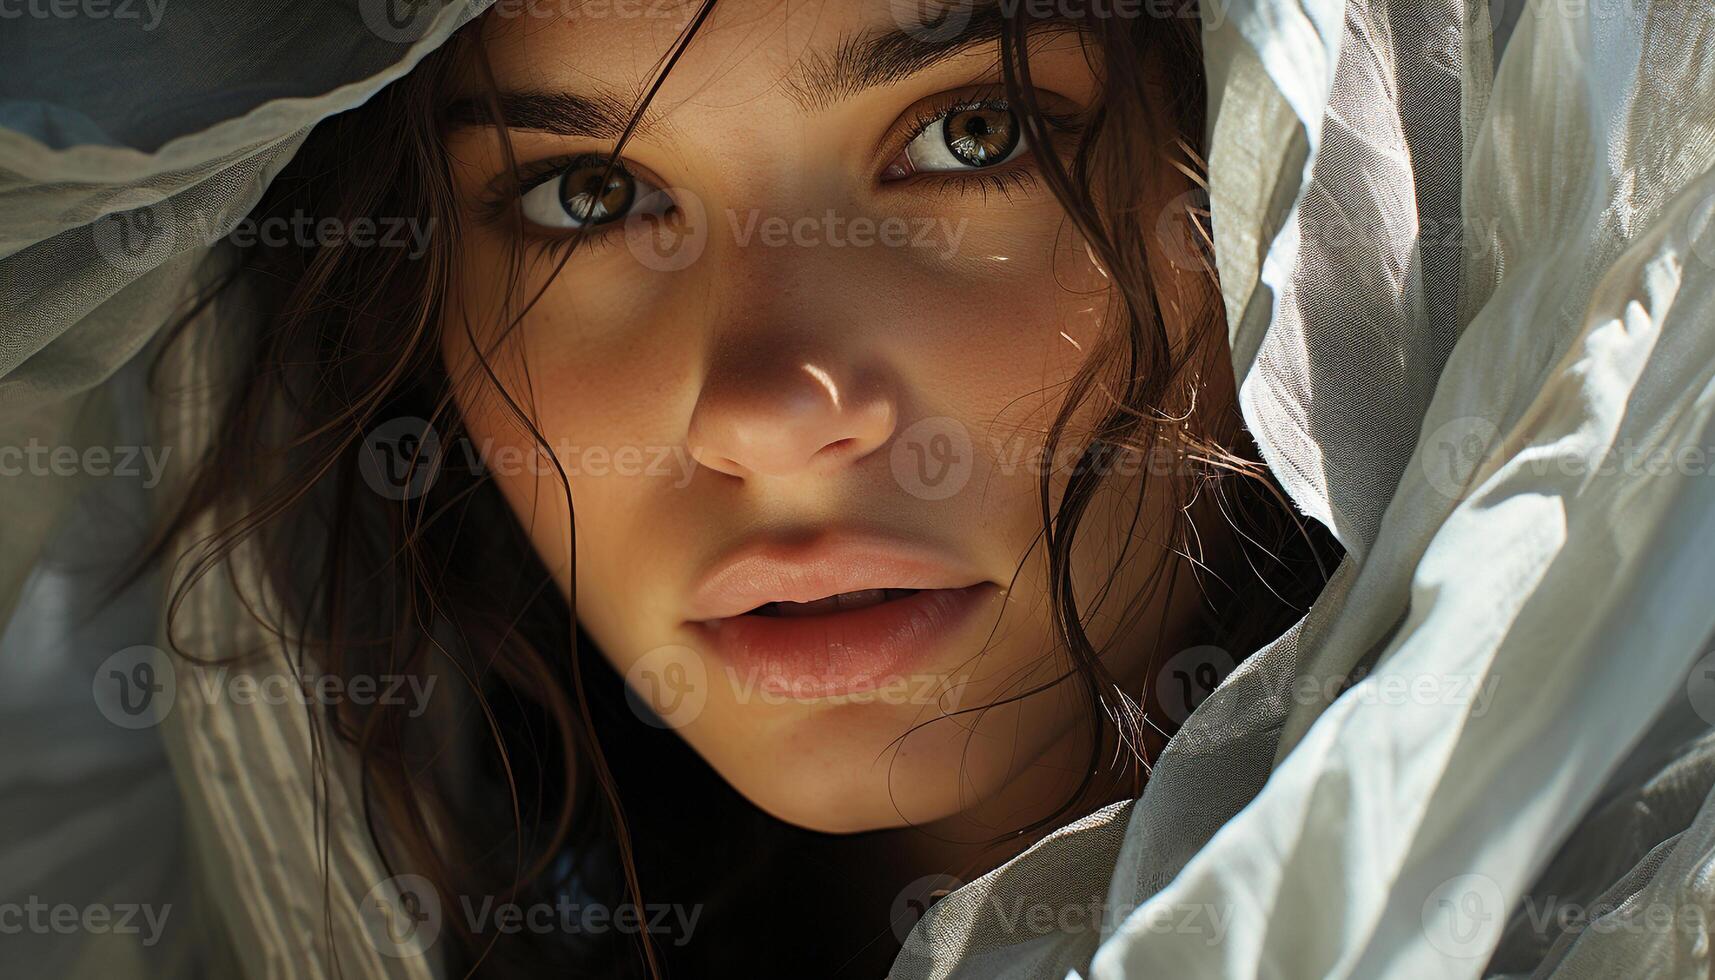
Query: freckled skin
point(753, 356)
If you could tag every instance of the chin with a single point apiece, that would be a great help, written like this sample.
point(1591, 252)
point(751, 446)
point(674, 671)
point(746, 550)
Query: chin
point(829, 804)
point(836, 775)
point(839, 810)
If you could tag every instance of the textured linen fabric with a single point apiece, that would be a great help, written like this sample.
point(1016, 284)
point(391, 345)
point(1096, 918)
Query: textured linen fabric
point(129, 148)
point(1474, 326)
point(1469, 306)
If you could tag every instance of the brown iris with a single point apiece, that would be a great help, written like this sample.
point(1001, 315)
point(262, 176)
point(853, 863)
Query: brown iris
point(587, 200)
point(980, 136)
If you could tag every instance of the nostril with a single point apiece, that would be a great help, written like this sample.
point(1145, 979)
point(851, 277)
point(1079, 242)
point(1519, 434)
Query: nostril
point(842, 451)
point(704, 456)
point(836, 447)
point(778, 419)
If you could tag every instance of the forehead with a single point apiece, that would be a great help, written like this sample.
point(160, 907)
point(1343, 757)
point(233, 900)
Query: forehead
point(804, 51)
point(742, 48)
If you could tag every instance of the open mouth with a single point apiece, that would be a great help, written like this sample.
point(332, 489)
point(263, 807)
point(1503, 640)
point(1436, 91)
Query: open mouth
point(845, 642)
point(836, 611)
point(841, 602)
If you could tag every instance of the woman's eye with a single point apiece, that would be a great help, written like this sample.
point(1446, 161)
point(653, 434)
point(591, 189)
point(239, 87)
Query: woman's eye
point(577, 196)
point(966, 138)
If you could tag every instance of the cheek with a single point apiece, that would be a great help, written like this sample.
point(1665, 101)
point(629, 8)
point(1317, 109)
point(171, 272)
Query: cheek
point(609, 400)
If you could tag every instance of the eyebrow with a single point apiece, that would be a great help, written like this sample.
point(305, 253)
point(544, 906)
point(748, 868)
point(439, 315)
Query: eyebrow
point(856, 63)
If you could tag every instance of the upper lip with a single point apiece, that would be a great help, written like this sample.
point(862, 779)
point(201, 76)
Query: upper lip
point(772, 570)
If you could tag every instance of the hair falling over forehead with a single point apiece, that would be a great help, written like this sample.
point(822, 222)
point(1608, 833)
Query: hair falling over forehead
point(361, 584)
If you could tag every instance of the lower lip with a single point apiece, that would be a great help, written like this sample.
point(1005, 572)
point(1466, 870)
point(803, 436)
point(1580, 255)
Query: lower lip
point(808, 657)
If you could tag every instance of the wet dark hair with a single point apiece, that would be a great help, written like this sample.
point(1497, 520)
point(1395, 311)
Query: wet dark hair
point(447, 582)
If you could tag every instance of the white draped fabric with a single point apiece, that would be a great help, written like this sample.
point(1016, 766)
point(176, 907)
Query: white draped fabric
point(1473, 316)
point(128, 152)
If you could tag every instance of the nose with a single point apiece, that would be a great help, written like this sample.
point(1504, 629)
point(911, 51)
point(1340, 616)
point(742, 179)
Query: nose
point(786, 411)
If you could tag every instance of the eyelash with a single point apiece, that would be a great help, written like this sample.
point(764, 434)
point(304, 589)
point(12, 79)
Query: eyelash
point(1017, 176)
point(1004, 179)
point(502, 200)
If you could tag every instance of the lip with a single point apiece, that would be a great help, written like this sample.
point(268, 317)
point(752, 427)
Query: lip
point(826, 654)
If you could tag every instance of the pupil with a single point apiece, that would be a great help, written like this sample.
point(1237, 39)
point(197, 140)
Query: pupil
point(980, 137)
point(588, 201)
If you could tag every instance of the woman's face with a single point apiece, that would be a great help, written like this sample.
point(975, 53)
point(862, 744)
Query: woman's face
point(798, 376)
